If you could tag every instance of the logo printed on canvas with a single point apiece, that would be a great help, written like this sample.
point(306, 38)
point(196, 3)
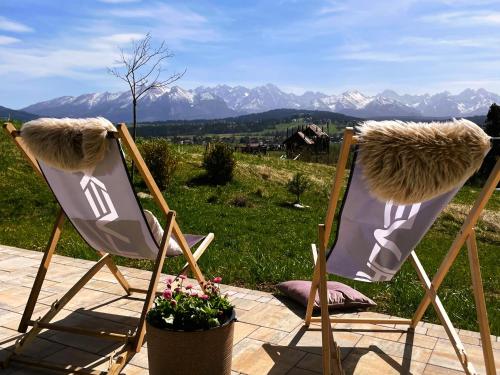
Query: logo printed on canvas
point(383, 267)
point(99, 200)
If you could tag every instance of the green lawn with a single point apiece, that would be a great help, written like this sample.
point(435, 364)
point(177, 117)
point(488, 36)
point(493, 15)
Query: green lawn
point(265, 242)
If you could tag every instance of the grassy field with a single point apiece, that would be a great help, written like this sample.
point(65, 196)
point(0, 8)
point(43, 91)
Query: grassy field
point(265, 241)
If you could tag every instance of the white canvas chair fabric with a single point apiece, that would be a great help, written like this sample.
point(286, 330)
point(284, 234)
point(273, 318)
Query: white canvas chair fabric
point(375, 238)
point(102, 206)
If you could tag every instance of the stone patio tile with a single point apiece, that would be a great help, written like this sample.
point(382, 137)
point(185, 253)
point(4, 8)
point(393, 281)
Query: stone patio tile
point(8, 338)
point(15, 296)
point(470, 340)
point(397, 349)
point(310, 340)
point(115, 314)
point(79, 358)
point(105, 286)
point(264, 299)
point(41, 348)
point(89, 298)
point(270, 335)
point(300, 371)
point(363, 361)
point(9, 319)
point(437, 331)
point(438, 370)
point(140, 359)
point(16, 263)
point(242, 330)
point(245, 304)
point(444, 355)
point(272, 317)
point(251, 297)
point(92, 344)
point(423, 341)
point(465, 332)
point(311, 362)
point(373, 330)
point(253, 357)
point(134, 370)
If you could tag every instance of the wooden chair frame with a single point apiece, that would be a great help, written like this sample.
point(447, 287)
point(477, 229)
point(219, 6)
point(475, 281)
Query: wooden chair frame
point(132, 343)
point(330, 349)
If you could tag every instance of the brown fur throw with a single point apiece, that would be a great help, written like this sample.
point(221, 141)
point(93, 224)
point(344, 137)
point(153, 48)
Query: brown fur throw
point(68, 143)
point(410, 162)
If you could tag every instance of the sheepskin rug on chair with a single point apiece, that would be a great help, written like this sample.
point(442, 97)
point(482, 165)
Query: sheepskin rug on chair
point(409, 162)
point(68, 143)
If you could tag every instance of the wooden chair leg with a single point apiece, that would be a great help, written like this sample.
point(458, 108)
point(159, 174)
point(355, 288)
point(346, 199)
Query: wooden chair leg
point(323, 299)
point(160, 258)
point(42, 271)
point(442, 315)
point(313, 291)
point(482, 314)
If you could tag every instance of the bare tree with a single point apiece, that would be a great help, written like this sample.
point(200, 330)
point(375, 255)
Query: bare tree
point(141, 70)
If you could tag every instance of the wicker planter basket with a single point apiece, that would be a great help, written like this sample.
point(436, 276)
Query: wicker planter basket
point(199, 352)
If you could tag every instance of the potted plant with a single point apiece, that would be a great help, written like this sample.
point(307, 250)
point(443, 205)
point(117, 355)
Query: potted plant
point(190, 332)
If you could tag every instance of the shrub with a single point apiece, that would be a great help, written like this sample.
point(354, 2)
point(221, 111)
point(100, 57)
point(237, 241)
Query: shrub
point(160, 159)
point(219, 163)
point(298, 185)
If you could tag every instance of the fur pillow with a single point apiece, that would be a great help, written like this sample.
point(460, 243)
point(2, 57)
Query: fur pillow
point(409, 162)
point(67, 143)
point(173, 248)
point(340, 296)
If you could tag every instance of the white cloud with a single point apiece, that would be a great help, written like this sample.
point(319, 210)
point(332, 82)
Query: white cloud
point(382, 56)
point(119, 1)
point(480, 42)
point(4, 40)
point(9, 25)
point(461, 18)
point(117, 39)
point(173, 24)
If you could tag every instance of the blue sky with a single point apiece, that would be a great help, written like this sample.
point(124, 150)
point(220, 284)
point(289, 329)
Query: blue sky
point(56, 48)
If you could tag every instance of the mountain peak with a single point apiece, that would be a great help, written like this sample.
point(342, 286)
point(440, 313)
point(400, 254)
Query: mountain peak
point(224, 101)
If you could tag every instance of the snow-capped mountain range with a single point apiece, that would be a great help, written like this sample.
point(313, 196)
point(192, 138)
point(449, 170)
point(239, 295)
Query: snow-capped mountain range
point(221, 101)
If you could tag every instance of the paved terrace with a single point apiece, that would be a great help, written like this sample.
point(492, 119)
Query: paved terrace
point(269, 338)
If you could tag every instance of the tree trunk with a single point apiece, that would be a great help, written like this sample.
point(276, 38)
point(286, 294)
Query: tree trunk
point(134, 124)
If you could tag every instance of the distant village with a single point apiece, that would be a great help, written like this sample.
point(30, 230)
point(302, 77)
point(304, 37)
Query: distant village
point(309, 138)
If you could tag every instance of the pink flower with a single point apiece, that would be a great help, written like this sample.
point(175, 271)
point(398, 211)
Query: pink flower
point(182, 277)
point(173, 303)
point(218, 279)
point(204, 297)
point(177, 290)
point(169, 280)
point(167, 294)
point(189, 286)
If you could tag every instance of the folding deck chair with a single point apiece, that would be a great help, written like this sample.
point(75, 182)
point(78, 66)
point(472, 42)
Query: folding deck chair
point(103, 208)
point(373, 240)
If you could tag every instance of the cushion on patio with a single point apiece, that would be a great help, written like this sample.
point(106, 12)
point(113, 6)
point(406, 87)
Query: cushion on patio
point(340, 296)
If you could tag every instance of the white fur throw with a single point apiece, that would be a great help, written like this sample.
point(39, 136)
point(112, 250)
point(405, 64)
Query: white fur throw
point(410, 162)
point(68, 143)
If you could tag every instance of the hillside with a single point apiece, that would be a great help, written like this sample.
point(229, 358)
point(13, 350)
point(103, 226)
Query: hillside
point(7, 113)
point(259, 239)
point(266, 122)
